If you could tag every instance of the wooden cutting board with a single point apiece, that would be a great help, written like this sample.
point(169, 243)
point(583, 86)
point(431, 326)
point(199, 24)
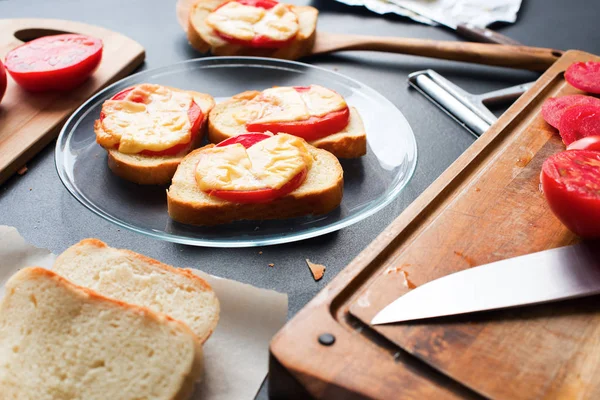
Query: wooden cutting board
point(28, 121)
point(485, 207)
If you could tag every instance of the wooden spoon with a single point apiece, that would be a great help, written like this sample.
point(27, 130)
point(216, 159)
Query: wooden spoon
point(522, 57)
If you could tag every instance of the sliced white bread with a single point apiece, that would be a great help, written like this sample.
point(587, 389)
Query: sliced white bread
point(151, 170)
point(202, 37)
point(320, 193)
point(61, 341)
point(137, 279)
point(351, 142)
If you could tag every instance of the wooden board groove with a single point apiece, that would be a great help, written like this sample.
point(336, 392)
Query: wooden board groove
point(485, 207)
point(28, 121)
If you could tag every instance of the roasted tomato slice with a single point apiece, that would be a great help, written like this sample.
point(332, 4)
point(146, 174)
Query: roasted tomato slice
point(195, 115)
point(257, 42)
point(309, 129)
point(261, 195)
point(260, 41)
point(2, 80)
point(571, 184)
point(59, 62)
point(591, 143)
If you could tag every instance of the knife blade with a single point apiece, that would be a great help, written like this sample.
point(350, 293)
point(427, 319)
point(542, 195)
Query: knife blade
point(550, 275)
point(465, 30)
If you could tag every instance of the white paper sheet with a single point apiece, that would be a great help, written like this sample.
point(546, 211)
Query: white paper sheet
point(235, 356)
point(477, 12)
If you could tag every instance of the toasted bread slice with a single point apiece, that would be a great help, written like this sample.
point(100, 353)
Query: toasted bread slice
point(348, 143)
point(61, 341)
point(137, 279)
point(320, 193)
point(202, 37)
point(149, 170)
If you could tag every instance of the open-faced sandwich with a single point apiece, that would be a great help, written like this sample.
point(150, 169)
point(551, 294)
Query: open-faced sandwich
point(255, 177)
point(147, 129)
point(252, 27)
point(314, 113)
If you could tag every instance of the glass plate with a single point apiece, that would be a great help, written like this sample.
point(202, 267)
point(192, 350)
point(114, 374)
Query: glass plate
point(370, 182)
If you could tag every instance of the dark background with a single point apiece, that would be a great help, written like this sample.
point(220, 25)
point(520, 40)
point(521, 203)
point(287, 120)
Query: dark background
point(47, 216)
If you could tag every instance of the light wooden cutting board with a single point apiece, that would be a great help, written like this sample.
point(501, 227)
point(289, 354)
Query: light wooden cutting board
point(29, 121)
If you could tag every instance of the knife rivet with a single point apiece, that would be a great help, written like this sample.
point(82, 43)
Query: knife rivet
point(327, 339)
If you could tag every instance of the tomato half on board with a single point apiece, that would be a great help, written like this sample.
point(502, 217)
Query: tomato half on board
point(591, 143)
point(584, 76)
point(260, 195)
point(2, 80)
point(59, 62)
point(571, 183)
point(309, 129)
point(195, 115)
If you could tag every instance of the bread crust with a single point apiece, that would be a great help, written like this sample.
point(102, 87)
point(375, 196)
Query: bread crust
point(195, 279)
point(213, 211)
point(197, 366)
point(201, 37)
point(149, 170)
point(349, 143)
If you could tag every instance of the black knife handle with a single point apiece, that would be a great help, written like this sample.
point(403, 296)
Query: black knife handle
point(483, 35)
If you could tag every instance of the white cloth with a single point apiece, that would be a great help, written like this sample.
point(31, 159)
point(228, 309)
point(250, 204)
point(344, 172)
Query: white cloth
point(477, 12)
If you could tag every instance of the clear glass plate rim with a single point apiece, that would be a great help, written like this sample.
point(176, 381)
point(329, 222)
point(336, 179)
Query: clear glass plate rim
point(381, 202)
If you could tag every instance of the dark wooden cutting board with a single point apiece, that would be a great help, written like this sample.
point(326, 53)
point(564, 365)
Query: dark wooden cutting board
point(486, 207)
point(29, 121)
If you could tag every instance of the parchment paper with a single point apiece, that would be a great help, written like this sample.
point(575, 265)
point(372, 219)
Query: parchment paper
point(235, 356)
point(477, 12)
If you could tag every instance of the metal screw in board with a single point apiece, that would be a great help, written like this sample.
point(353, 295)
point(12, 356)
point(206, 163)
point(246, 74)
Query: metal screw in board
point(326, 339)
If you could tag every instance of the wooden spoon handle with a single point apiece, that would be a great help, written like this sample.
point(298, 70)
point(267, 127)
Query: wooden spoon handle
point(522, 57)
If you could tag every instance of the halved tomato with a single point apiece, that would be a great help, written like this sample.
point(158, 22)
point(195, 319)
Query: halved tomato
point(2, 80)
point(260, 195)
point(58, 62)
point(195, 115)
point(591, 143)
point(571, 183)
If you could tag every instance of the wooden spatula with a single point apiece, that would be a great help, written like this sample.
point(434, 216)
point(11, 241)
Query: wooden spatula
point(522, 57)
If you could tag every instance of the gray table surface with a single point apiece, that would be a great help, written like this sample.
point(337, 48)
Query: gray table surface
point(47, 216)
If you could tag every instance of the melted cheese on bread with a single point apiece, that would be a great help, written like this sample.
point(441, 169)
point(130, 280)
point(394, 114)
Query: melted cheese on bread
point(246, 22)
point(156, 121)
point(270, 163)
point(286, 104)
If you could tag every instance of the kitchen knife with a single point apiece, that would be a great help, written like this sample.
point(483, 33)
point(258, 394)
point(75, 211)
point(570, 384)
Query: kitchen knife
point(465, 30)
point(550, 275)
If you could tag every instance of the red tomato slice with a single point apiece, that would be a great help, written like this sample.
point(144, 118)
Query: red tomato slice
point(554, 107)
point(578, 122)
point(309, 129)
point(571, 184)
point(260, 42)
point(2, 80)
point(59, 62)
point(591, 143)
point(260, 195)
point(246, 140)
point(257, 42)
point(584, 76)
point(195, 115)
point(266, 4)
